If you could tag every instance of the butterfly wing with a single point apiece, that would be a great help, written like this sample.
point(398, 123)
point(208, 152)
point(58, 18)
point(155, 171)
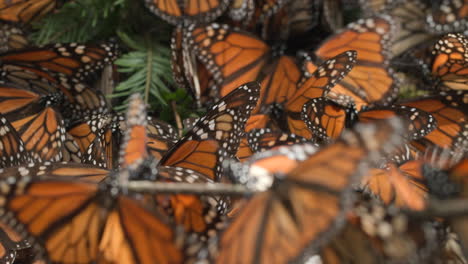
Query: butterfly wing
point(25, 11)
point(371, 79)
point(233, 57)
point(316, 85)
point(191, 11)
point(215, 136)
point(12, 151)
point(317, 188)
point(449, 110)
point(448, 16)
point(450, 64)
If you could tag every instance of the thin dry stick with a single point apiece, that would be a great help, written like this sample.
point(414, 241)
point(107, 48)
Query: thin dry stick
point(189, 188)
point(442, 208)
point(177, 118)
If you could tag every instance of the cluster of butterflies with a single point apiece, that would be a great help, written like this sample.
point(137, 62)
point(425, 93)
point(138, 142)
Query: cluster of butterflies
point(302, 156)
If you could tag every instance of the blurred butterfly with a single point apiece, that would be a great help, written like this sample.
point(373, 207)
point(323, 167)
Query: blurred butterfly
point(25, 11)
point(247, 14)
point(264, 139)
point(371, 80)
point(67, 68)
point(450, 111)
point(187, 11)
point(450, 62)
point(274, 225)
point(327, 119)
point(448, 16)
point(11, 38)
point(376, 233)
point(108, 221)
point(399, 183)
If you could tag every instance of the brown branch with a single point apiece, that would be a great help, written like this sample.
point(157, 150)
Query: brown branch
point(442, 208)
point(189, 188)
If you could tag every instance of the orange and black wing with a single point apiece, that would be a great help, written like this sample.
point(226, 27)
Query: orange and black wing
point(448, 16)
point(68, 68)
point(278, 82)
point(316, 83)
point(232, 56)
point(450, 111)
point(33, 116)
point(450, 63)
point(134, 235)
point(371, 80)
point(192, 11)
point(216, 135)
point(73, 221)
point(327, 119)
point(12, 150)
point(264, 139)
point(403, 185)
point(25, 11)
point(39, 212)
point(199, 214)
point(274, 226)
point(98, 138)
point(71, 60)
point(161, 137)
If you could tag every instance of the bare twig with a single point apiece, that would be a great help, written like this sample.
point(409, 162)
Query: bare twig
point(442, 208)
point(189, 188)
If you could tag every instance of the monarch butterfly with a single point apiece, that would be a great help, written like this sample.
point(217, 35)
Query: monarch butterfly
point(12, 149)
point(256, 121)
point(448, 16)
point(62, 67)
point(264, 139)
point(372, 80)
point(161, 137)
point(98, 138)
point(450, 64)
point(187, 11)
point(401, 184)
point(275, 223)
point(199, 214)
point(411, 17)
point(327, 119)
point(216, 135)
point(449, 110)
point(243, 58)
point(25, 11)
point(107, 222)
point(37, 121)
point(378, 234)
point(11, 38)
point(316, 84)
point(249, 13)
point(196, 214)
